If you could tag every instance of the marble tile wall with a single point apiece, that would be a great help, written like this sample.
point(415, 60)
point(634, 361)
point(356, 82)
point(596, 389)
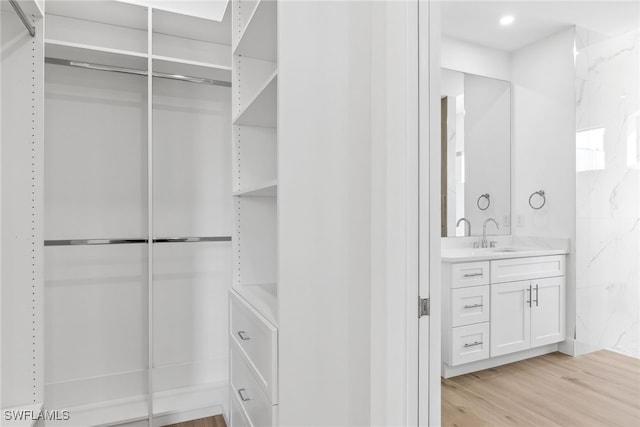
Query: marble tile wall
point(607, 192)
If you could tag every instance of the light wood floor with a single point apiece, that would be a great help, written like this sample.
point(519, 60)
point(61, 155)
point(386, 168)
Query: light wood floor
point(217, 421)
point(598, 389)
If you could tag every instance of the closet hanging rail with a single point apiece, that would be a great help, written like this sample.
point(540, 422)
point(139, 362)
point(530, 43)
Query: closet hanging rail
point(89, 242)
point(124, 70)
point(23, 17)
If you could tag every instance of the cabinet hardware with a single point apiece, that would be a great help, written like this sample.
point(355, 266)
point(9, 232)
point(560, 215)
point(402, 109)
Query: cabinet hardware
point(241, 393)
point(473, 275)
point(529, 300)
point(243, 336)
point(536, 295)
point(473, 306)
point(473, 344)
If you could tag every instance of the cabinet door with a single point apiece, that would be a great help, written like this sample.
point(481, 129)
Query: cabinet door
point(510, 317)
point(547, 311)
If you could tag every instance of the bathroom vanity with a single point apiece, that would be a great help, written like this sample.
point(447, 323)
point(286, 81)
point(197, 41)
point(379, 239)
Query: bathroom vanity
point(500, 305)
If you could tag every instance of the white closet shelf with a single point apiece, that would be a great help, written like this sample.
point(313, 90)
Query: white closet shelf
point(263, 297)
point(94, 54)
point(189, 398)
point(261, 109)
point(207, 70)
point(258, 39)
point(117, 13)
point(192, 27)
point(107, 413)
point(266, 189)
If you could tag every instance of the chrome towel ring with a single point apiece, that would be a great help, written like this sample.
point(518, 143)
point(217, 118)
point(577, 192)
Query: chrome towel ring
point(486, 204)
point(542, 196)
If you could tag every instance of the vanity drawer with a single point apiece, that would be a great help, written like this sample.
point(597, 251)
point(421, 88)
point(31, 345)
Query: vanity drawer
point(248, 393)
point(257, 339)
point(470, 305)
point(515, 269)
point(237, 416)
point(469, 343)
point(469, 274)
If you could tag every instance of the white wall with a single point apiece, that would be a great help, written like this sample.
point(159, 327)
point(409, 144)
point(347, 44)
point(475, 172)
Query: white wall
point(324, 198)
point(469, 58)
point(544, 145)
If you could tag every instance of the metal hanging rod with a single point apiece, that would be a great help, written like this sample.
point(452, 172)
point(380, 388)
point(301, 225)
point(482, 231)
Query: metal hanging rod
point(91, 242)
point(23, 17)
point(124, 70)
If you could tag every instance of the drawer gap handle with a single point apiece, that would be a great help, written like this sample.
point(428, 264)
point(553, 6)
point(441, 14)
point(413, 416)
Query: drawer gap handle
point(243, 336)
point(242, 393)
point(474, 306)
point(473, 344)
point(473, 274)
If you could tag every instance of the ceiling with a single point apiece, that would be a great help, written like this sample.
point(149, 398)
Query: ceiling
point(477, 21)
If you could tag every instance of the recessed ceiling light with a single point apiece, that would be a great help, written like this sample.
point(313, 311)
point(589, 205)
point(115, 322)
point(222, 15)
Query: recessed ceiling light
point(506, 20)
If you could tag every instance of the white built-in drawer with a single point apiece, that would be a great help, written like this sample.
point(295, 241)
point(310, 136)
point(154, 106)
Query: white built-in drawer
point(469, 343)
point(512, 270)
point(470, 305)
point(245, 387)
point(237, 416)
point(469, 274)
point(257, 339)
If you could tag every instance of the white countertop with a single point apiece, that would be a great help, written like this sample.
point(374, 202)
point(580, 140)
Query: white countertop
point(477, 254)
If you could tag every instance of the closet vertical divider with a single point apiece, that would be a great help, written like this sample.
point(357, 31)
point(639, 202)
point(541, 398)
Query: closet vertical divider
point(150, 232)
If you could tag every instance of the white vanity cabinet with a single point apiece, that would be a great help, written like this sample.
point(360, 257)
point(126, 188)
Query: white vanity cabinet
point(498, 307)
point(527, 313)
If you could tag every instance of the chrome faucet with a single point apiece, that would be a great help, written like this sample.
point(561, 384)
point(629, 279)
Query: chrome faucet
point(467, 228)
point(485, 244)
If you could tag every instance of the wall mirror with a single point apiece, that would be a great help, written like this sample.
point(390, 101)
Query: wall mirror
point(476, 154)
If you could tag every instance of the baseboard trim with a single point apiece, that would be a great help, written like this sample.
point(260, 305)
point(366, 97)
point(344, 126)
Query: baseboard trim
point(492, 362)
point(171, 406)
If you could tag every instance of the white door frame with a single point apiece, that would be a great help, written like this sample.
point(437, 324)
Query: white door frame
point(429, 411)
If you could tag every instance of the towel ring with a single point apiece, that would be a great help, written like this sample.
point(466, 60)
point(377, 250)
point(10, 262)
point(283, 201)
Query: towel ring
point(541, 194)
point(483, 196)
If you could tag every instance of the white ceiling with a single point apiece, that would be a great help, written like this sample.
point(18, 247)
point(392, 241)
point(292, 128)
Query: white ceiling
point(477, 21)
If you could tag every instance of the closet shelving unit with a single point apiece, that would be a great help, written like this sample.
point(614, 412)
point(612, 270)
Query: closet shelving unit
point(255, 191)
point(135, 39)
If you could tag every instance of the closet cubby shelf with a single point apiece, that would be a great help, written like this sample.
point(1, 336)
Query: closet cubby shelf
point(267, 189)
point(193, 68)
point(106, 56)
point(258, 39)
point(263, 297)
point(261, 109)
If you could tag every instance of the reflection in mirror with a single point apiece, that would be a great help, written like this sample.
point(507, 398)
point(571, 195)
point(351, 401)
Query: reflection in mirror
point(476, 153)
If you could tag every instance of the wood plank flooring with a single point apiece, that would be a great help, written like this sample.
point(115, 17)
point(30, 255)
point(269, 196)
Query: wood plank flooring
point(217, 421)
point(597, 389)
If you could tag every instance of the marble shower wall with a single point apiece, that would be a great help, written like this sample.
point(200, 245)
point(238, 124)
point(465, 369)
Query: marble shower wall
point(607, 192)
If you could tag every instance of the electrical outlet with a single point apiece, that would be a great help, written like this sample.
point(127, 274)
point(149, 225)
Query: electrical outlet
point(520, 220)
point(506, 221)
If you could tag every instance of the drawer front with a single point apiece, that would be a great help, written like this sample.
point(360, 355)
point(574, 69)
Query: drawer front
point(512, 270)
point(257, 338)
point(469, 343)
point(469, 274)
point(470, 305)
point(248, 393)
point(238, 418)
